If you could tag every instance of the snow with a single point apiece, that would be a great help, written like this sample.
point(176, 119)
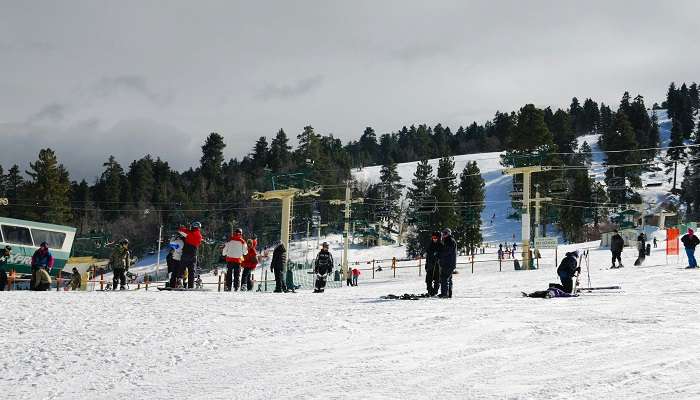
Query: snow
point(487, 342)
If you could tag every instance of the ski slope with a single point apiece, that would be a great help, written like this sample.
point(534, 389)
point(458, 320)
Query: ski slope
point(485, 343)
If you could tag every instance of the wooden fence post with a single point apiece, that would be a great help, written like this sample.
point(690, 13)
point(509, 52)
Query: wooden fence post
point(102, 280)
point(372, 269)
point(219, 286)
point(420, 262)
point(393, 265)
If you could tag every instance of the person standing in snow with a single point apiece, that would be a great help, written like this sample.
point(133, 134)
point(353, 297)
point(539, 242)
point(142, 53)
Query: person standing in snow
point(75, 280)
point(690, 242)
point(279, 260)
point(448, 263)
point(193, 239)
point(120, 261)
point(250, 262)
point(4, 256)
point(175, 259)
point(355, 276)
point(432, 264)
point(617, 243)
point(654, 242)
point(323, 266)
point(568, 268)
point(642, 243)
point(234, 251)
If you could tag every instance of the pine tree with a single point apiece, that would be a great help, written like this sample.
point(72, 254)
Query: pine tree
point(564, 136)
point(260, 155)
point(471, 195)
point(109, 188)
point(49, 189)
point(445, 194)
point(141, 181)
point(621, 146)
point(421, 206)
point(212, 157)
point(576, 117)
point(590, 117)
point(280, 154)
point(14, 188)
point(390, 192)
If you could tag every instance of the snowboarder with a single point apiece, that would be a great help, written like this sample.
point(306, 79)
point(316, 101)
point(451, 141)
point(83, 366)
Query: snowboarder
point(690, 241)
point(355, 275)
point(4, 256)
point(250, 262)
point(641, 246)
point(432, 264)
point(175, 259)
point(193, 239)
point(568, 268)
point(617, 243)
point(323, 266)
point(42, 259)
point(234, 251)
point(120, 261)
point(75, 280)
point(448, 263)
point(279, 260)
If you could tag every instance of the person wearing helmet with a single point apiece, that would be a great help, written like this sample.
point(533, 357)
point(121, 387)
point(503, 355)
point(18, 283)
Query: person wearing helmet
point(42, 259)
point(120, 261)
point(448, 263)
point(432, 264)
point(323, 266)
point(234, 251)
point(193, 239)
point(568, 268)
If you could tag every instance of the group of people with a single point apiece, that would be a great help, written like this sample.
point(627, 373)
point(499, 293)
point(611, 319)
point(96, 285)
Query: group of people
point(240, 254)
point(440, 263)
point(508, 252)
point(182, 256)
point(617, 243)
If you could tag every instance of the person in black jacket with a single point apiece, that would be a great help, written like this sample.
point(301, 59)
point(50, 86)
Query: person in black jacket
point(448, 263)
point(323, 266)
point(690, 242)
point(568, 268)
point(432, 264)
point(279, 260)
point(4, 256)
point(617, 243)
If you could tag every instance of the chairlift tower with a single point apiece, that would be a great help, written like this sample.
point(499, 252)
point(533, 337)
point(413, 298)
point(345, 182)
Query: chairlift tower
point(537, 200)
point(348, 202)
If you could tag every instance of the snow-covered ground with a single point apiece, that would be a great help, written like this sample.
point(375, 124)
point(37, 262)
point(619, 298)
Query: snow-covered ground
point(487, 342)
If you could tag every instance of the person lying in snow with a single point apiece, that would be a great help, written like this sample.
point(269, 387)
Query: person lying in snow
point(567, 271)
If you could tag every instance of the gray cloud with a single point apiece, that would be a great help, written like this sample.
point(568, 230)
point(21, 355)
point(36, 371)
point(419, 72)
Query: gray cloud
point(109, 86)
point(296, 89)
point(53, 112)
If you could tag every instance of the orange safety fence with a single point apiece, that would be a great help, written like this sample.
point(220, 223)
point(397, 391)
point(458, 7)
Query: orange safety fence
point(672, 245)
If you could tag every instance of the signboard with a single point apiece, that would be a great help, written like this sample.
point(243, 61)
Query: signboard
point(546, 243)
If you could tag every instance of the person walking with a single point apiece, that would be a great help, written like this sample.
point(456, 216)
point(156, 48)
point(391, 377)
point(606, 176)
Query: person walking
point(448, 263)
point(250, 262)
point(42, 259)
point(4, 256)
point(234, 251)
point(323, 266)
point(568, 268)
point(120, 260)
point(432, 264)
point(617, 243)
point(192, 239)
point(690, 242)
point(279, 260)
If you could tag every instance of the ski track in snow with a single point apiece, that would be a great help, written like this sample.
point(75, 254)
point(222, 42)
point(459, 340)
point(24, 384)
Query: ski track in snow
point(486, 343)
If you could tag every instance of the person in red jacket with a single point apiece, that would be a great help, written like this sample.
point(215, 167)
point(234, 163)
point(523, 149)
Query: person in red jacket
point(193, 239)
point(234, 251)
point(250, 262)
point(355, 274)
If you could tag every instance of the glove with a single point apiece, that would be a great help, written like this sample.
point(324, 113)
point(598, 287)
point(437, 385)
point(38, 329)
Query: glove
point(578, 270)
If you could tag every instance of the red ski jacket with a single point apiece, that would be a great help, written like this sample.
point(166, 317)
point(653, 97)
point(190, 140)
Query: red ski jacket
point(250, 261)
point(193, 237)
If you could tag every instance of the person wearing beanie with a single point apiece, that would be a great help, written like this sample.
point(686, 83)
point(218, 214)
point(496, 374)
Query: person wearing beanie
point(448, 263)
point(432, 264)
point(690, 242)
point(568, 268)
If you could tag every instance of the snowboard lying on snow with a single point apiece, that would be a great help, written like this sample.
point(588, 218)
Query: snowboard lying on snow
point(183, 289)
point(406, 296)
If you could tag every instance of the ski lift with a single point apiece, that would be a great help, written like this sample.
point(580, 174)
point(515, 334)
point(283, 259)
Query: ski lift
point(426, 205)
point(559, 186)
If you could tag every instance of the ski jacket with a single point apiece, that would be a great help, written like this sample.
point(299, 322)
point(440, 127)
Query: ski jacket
point(690, 241)
point(616, 243)
point(235, 249)
point(120, 259)
point(42, 258)
point(250, 261)
point(177, 245)
point(42, 277)
point(75, 281)
point(279, 258)
point(568, 266)
point(324, 263)
point(448, 253)
point(432, 254)
point(193, 239)
point(356, 272)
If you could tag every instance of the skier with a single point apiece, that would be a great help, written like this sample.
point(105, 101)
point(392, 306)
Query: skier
point(514, 249)
point(448, 263)
point(690, 241)
point(120, 261)
point(279, 260)
point(193, 239)
point(250, 262)
point(75, 280)
point(234, 251)
point(175, 259)
point(655, 242)
point(432, 264)
point(42, 282)
point(617, 243)
point(641, 246)
point(4, 256)
point(42, 258)
point(323, 266)
point(355, 275)
point(568, 268)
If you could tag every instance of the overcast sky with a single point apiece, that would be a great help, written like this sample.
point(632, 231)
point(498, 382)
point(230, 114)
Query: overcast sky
point(129, 78)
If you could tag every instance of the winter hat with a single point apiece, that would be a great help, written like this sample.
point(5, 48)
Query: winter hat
point(447, 232)
point(573, 253)
point(435, 234)
point(690, 231)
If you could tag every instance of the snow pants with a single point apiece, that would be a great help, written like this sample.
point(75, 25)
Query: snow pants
point(567, 283)
point(432, 279)
point(247, 279)
point(176, 272)
point(354, 280)
point(280, 285)
point(119, 278)
point(446, 281)
point(233, 273)
point(187, 262)
point(320, 282)
point(691, 257)
point(616, 255)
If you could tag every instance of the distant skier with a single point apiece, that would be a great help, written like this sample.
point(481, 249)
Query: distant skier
point(448, 263)
point(279, 260)
point(568, 268)
point(655, 244)
point(193, 239)
point(42, 259)
point(323, 266)
point(175, 259)
point(75, 280)
point(120, 261)
point(514, 249)
point(617, 243)
point(250, 262)
point(4, 256)
point(432, 264)
point(234, 251)
point(690, 242)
